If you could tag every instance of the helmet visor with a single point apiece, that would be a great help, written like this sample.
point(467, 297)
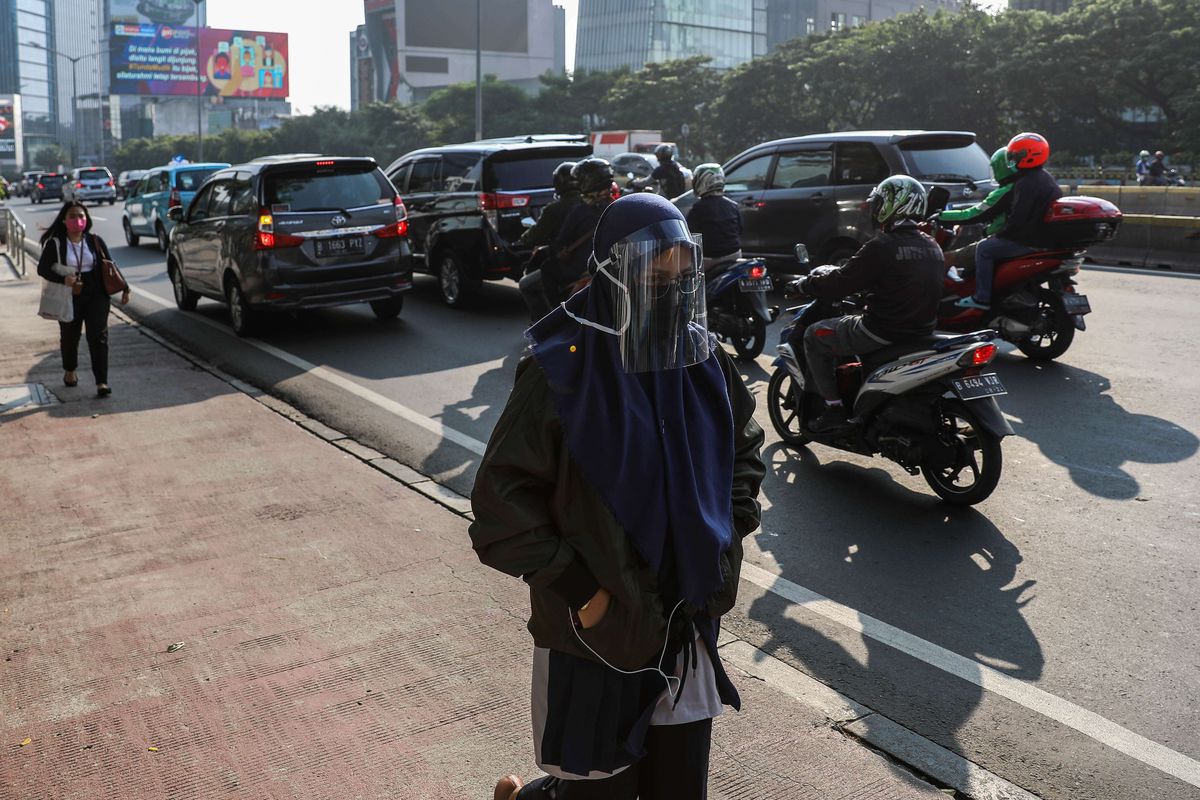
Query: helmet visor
point(658, 298)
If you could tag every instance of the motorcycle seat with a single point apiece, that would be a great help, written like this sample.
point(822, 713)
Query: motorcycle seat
point(877, 358)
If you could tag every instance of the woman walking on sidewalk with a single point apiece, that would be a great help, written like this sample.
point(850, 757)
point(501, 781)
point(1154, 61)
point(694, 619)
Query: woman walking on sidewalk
point(619, 483)
point(71, 254)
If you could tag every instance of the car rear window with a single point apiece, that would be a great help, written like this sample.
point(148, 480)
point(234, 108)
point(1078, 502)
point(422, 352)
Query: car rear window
point(49, 180)
point(94, 174)
point(937, 162)
point(308, 189)
point(189, 180)
point(524, 173)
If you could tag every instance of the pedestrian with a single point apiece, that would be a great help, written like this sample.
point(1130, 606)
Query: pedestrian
point(619, 483)
point(72, 255)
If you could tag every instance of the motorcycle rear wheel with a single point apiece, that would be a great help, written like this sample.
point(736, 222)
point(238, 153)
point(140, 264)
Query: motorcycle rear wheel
point(1049, 346)
point(751, 347)
point(973, 443)
point(783, 406)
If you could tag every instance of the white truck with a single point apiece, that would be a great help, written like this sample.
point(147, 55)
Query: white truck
point(606, 144)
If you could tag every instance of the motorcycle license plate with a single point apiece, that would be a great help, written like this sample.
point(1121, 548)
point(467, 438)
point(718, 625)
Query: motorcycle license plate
point(977, 386)
point(1076, 304)
point(755, 285)
point(339, 247)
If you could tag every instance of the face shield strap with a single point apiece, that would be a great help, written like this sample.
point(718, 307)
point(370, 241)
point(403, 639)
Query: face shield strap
point(601, 269)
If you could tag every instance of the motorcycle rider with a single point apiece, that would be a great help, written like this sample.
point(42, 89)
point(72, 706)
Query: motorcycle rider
point(992, 211)
point(900, 270)
point(542, 233)
point(1158, 169)
point(1024, 230)
point(668, 173)
point(1142, 167)
point(716, 218)
point(595, 179)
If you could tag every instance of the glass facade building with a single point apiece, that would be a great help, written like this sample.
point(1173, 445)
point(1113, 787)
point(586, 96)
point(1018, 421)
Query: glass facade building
point(26, 27)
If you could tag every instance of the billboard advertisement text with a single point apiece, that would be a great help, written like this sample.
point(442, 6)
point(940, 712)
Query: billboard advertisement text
point(166, 60)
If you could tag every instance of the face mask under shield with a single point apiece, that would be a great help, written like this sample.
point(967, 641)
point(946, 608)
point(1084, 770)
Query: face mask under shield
point(656, 292)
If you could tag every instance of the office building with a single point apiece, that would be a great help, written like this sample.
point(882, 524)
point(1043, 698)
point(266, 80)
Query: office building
point(632, 33)
point(28, 70)
point(405, 53)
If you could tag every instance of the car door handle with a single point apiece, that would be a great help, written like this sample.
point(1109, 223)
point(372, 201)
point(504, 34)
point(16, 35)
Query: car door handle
point(753, 202)
point(817, 197)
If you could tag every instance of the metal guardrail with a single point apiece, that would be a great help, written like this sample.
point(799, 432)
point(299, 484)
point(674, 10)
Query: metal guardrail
point(14, 238)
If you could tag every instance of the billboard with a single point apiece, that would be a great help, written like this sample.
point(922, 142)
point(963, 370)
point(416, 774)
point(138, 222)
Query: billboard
point(150, 59)
point(10, 130)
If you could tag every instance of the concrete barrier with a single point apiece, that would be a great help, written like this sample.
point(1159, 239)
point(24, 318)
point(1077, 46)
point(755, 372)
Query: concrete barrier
point(1161, 227)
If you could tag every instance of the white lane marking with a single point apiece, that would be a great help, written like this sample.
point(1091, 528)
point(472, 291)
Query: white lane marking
point(1086, 722)
point(1166, 273)
point(329, 376)
point(1037, 700)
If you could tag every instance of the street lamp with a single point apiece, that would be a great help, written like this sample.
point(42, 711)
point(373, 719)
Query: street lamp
point(478, 70)
point(74, 95)
point(199, 83)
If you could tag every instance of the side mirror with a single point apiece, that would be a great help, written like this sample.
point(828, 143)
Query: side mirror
point(801, 253)
point(175, 213)
point(939, 196)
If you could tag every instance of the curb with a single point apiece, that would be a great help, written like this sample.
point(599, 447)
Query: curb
point(924, 758)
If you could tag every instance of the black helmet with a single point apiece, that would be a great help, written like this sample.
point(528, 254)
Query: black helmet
point(664, 152)
point(593, 175)
point(564, 181)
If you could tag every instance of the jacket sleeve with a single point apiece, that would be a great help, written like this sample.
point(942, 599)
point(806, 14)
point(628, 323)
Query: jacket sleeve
point(514, 531)
point(856, 275)
point(748, 437)
point(985, 210)
point(46, 262)
point(545, 228)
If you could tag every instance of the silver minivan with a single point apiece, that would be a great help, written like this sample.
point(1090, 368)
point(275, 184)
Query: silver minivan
point(90, 185)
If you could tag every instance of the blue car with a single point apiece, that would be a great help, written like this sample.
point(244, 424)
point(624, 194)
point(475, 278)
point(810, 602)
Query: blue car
point(162, 188)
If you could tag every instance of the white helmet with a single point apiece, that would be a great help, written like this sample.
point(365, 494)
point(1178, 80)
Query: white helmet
point(708, 179)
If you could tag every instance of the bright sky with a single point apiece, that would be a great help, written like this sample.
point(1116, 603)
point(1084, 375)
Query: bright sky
point(319, 40)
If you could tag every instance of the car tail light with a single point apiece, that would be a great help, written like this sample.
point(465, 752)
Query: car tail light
point(174, 200)
point(78, 184)
point(979, 356)
point(614, 191)
point(490, 205)
point(758, 272)
point(110, 183)
point(326, 163)
point(41, 186)
point(391, 231)
point(268, 239)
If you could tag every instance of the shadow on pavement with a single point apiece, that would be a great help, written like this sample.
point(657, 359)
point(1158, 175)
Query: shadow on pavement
point(902, 557)
point(1090, 434)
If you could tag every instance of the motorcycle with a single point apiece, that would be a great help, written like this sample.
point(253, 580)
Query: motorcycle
point(1035, 301)
point(736, 300)
point(928, 405)
point(1169, 178)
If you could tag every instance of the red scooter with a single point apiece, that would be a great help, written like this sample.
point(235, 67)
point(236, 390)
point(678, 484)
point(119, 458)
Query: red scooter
point(1035, 304)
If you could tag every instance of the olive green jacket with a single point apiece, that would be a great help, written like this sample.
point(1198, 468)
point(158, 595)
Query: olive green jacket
point(537, 518)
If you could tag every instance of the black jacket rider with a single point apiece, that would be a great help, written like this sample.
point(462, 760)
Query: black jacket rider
point(1032, 194)
point(901, 270)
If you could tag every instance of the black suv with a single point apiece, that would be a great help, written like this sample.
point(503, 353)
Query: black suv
point(813, 189)
point(466, 204)
point(48, 186)
point(292, 232)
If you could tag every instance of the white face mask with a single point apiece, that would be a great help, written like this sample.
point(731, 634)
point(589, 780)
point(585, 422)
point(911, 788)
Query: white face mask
point(600, 269)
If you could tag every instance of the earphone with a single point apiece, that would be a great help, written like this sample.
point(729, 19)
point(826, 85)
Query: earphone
point(658, 669)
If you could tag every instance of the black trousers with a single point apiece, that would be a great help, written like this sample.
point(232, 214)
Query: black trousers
point(675, 767)
point(91, 313)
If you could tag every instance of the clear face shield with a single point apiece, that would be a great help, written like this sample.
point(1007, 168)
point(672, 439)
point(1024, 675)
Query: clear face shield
point(655, 287)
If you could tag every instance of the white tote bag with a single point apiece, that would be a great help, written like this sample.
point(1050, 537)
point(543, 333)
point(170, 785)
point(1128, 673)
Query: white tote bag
point(57, 302)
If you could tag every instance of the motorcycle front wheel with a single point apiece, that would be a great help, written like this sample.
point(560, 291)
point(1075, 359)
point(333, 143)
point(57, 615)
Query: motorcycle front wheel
point(977, 463)
point(784, 401)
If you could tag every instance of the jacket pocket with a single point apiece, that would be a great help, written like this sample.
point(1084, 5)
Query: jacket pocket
point(626, 640)
point(731, 571)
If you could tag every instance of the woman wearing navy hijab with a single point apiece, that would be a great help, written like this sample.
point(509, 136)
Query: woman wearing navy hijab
point(619, 483)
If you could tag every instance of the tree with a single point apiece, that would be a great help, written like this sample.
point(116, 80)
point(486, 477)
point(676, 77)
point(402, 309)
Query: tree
point(49, 158)
point(663, 97)
point(451, 111)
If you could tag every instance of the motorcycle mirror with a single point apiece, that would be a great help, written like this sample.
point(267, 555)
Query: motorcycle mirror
point(629, 175)
point(801, 253)
point(939, 196)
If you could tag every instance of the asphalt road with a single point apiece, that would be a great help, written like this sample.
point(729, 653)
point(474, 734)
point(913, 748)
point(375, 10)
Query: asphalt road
point(1077, 579)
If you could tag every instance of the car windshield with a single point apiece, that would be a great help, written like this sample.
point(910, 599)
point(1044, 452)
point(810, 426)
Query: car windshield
point(93, 174)
point(189, 180)
point(935, 162)
point(331, 189)
point(525, 173)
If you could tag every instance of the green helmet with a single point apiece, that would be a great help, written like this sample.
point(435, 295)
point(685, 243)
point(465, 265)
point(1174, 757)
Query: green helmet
point(898, 198)
point(707, 179)
point(1002, 171)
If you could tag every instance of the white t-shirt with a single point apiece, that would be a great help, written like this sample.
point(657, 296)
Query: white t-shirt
point(79, 256)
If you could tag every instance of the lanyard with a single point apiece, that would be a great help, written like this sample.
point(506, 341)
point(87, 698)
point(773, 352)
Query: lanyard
point(78, 252)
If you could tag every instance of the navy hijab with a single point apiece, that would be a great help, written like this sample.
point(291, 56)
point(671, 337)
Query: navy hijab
point(657, 446)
